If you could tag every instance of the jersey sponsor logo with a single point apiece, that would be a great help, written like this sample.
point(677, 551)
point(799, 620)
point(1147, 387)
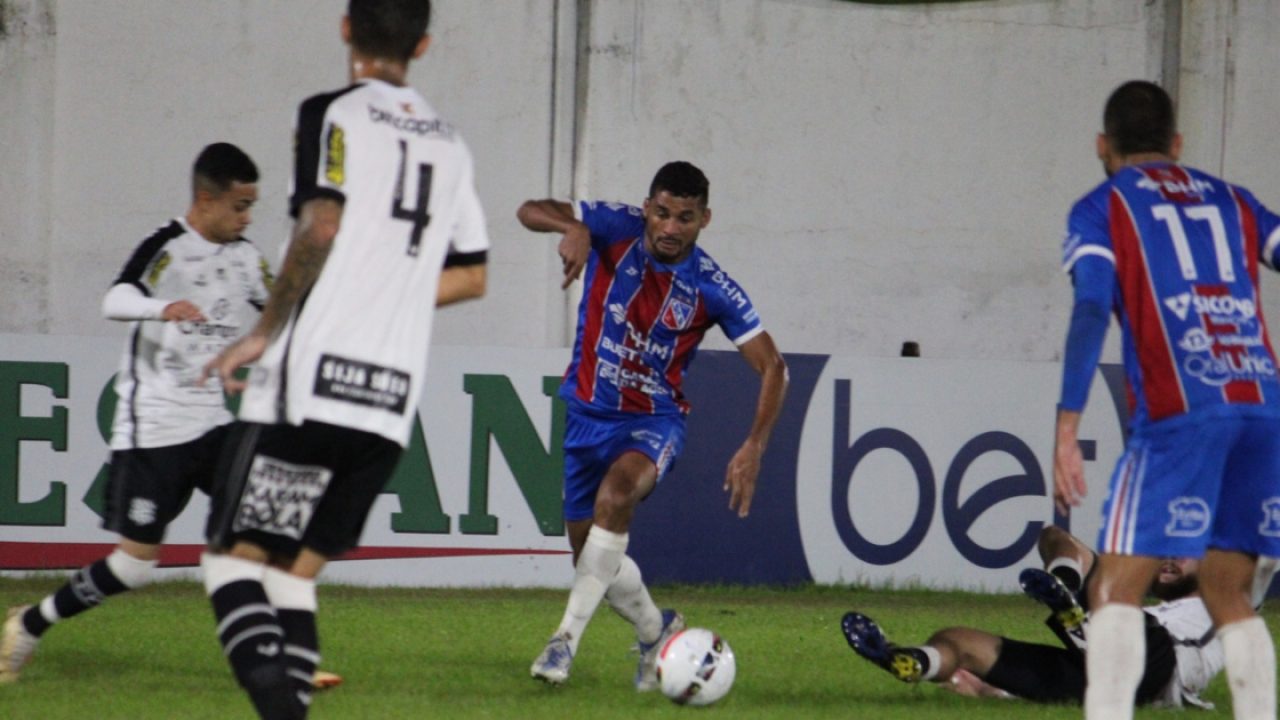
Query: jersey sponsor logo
point(635, 346)
point(280, 498)
point(1172, 188)
point(618, 312)
point(142, 511)
point(628, 379)
point(678, 314)
point(209, 330)
point(417, 126)
point(335, 158)
point(362, 383)
point(1219, 308)
point(706, 264)
point(648, 437)
point(1188, 517)
point(1270, 517)
point(1196, 340)
point(1218, 371)
point(731, 291)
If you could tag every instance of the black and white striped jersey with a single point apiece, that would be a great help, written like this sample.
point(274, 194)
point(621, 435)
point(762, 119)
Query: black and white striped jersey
point(355, 352)
point(160, 399)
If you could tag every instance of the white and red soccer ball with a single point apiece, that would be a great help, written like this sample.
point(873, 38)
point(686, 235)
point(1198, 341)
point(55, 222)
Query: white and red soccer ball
point(696, 667)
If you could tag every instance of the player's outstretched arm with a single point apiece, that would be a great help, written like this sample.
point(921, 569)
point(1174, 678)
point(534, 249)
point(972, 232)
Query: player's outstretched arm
point(309, 245)
point(556, 216)
point(740, 477)
point(125, 302)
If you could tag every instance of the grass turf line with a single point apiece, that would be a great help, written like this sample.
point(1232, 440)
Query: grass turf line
point(465, 654)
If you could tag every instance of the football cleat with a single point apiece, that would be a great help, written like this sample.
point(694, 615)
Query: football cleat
point(1048, 590)
point(552, 666)
point(865, 637)
point(16, 645)
point(647, 670)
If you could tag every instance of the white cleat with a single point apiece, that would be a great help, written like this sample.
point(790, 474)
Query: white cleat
point(16, 646)
point(647, 671)
point(552, 666)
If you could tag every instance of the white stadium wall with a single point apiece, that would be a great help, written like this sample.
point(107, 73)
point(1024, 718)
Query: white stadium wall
point(880, 173)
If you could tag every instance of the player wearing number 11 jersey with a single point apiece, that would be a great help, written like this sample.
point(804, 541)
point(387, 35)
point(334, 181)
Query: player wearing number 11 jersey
point(1174, 253)
point(388, 226)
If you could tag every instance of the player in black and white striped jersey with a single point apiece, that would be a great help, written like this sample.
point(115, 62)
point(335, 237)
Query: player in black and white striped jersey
point(188, 291)
point(388, 227)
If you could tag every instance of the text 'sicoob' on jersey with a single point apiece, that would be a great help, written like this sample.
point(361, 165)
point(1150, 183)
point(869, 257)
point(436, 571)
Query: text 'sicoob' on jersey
point(355, 352)
point(640, 320)
point(161, 400)
point(1185, 247)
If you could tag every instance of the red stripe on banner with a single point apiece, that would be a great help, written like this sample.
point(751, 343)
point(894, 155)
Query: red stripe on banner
point(68, 556)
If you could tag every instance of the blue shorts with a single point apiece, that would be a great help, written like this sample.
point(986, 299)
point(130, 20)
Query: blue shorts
point(1200, 485)
point(592, 444)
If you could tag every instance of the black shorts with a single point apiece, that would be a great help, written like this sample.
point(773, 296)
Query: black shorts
point(148, 487)
point(1052, 674)
point(286, 487)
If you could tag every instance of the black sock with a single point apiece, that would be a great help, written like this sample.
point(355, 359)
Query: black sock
point(86, 589)
point(301, 649)
point(254, 645)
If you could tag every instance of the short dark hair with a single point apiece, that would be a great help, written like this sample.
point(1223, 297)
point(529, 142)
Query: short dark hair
point(388, 29)
point(681, 179)
point(219, 165)
point(1139, 118)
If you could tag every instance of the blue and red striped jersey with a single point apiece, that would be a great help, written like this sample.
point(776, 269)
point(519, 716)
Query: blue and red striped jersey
point(640, 320)
point(1185, 247)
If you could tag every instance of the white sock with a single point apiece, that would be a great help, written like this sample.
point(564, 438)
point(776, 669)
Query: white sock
point(1251, 668)
point(597, 566)
point(1114, 662)
point(934, 664)
point(287, 591)
point(628, 596)
point(129, 570)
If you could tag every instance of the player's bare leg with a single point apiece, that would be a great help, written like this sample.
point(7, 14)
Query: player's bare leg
point(128, 567)
point(1226, 582)
point(1117, 642)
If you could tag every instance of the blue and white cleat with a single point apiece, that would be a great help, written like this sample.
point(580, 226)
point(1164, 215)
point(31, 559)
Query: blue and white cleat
point(647, 670)
point(552, 666)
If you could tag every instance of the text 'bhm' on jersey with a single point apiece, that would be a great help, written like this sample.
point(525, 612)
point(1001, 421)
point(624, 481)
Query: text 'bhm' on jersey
point(640, 320)
point(161, 399)
point(1185, 246)
point(355, 352)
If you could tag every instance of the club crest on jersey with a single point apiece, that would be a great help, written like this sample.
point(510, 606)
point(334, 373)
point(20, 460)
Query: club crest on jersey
point(1188, 517)
point(678, 314)
point(1270, 517)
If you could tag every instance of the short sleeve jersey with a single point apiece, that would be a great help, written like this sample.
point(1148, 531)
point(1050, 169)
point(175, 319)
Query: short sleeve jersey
point(161, 400)
point(640, 320)
point(355, 352)
point(1197, 650)
point(1186, 248)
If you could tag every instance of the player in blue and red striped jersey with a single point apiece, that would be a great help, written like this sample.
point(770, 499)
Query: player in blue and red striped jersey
point(649, 296)
point(1174, 252)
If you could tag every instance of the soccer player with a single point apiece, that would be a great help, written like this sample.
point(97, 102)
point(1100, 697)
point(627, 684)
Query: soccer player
point(1174, 252)
point(388, 226)
point(650, 295)
point(1182, 654)
point(187, 291)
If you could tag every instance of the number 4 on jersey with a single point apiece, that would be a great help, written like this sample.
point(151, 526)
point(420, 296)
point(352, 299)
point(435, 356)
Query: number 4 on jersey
point(418, 214)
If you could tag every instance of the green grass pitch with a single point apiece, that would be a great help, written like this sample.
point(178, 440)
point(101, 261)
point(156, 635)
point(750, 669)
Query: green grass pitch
point(466, 653)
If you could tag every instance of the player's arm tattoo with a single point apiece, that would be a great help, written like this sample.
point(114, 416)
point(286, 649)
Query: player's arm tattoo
point(309, 247)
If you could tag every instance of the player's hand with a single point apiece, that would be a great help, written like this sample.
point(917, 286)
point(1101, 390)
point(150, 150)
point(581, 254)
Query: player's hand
point(1068, 465)
point(574, 248)
point(232, 358)
point(740, 477)
point(182, 311)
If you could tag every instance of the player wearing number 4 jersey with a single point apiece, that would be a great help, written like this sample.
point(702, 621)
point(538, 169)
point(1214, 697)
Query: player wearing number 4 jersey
point(1174, 252)
point(388, 226)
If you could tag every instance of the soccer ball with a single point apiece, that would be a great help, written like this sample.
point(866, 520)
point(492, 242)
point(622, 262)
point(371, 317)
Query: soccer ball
point(696, 667)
